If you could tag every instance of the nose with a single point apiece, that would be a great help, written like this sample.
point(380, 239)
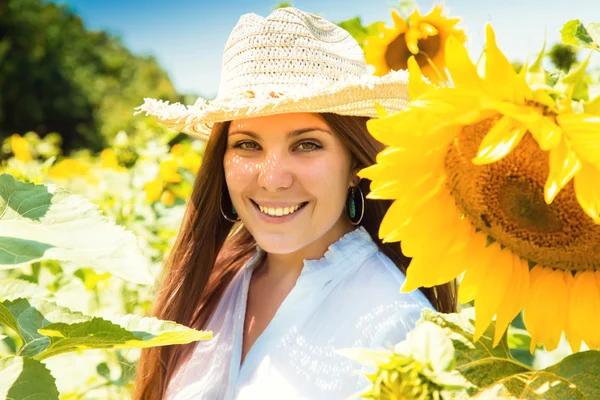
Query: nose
point(274, 173)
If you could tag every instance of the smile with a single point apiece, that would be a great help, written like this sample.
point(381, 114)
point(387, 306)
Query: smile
point(279, 211)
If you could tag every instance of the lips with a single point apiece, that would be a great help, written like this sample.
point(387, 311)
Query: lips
point(280, 210)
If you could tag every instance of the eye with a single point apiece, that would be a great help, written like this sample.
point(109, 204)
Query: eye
point(309, 146)
point(246, 145)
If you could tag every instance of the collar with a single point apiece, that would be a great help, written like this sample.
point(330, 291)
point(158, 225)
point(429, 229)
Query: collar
point(344, 254)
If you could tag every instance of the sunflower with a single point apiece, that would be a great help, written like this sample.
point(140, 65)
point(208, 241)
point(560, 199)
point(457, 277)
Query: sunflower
point(20, 148)
point(421, 36)
point(501, 182)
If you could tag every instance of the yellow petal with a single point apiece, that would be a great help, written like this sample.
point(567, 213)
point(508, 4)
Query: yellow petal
point(153, 190)
point(584, 311)
point(191, 161)
point(416, 85)
point(462, 70)
point(564, 164)
point(19, 146)
point(412, 40)
point(417, 275)
point(546, 309)
point(467, 290)
point(430, 221)
point(427, 29)
point(546, 133)
point(556, 307)
point(168, 171)
point(492, 289)
point(458, 259)
point(504, 136)
point(381, 111)
point(431, 265)
point(426, 184)
point(394, 218)
point(531, 313)
point(168, 198)
point(592, 106)
point(178, 150)
point(587, 190)
point(583, 132)
point(514, 298)
point(593, 337)
point(399, 23)
point(499, 72)
point(109, 159)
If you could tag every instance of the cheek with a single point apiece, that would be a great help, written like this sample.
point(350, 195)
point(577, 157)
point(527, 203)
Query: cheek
point(239, 172)
point(324, 177)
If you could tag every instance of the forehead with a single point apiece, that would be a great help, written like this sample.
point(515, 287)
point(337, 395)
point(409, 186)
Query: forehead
point(280, 123)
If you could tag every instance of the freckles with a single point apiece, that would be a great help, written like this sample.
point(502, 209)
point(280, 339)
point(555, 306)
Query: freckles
point(239, 169)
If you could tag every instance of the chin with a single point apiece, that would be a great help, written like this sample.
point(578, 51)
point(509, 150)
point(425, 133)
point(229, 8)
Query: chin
point(280, 243)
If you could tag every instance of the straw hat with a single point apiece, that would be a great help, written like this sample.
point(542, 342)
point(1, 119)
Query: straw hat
point(290, 61)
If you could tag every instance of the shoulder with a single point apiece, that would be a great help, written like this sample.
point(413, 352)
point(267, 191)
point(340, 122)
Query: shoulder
point(379, 275)
point(395, 313)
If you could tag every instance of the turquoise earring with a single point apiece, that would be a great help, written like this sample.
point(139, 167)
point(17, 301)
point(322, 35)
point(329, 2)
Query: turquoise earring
point(352, 204)
point(234, 217)
point(355, 213)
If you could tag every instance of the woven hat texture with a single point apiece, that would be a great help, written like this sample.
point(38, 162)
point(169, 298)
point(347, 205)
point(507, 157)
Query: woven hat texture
point(290, 61)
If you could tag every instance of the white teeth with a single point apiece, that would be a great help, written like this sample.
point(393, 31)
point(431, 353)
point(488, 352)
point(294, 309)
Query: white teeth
point(278, 212)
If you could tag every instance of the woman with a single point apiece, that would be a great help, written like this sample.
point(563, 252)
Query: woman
point(278, 253)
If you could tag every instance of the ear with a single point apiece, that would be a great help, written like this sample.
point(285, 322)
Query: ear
point(355, 179)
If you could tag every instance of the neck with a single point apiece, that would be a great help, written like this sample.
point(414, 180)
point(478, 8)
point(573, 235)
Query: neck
point(289, 266)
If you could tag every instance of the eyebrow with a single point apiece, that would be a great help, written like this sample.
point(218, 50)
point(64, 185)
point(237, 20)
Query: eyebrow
point(290, 134)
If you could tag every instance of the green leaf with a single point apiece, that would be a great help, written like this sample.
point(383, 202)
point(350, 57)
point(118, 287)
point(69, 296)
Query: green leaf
point(48, 329)
point(574, 83)
point(48, 223)
point(575, 33)
point(355, 28)
point(11, 289)
point(25, 378)
point(496, 374)
point(593, 30)
point(430, 345)
point(7, 319)
point(568, 32)
point(535, 74)
point(518, 338)
point(581, 370)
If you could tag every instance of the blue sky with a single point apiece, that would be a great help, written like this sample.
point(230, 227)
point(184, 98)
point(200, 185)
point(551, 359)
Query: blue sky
point(188, 36)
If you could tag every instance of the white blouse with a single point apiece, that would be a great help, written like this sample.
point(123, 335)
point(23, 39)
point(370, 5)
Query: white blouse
point(350, 298)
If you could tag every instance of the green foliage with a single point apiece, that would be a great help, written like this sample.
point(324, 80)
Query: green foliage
point(283, 4)
point(421, 367)
point(26, 378)
point(39, 223)
point(45, 222)
point(439, 360)
point(56, 76)
point(496, 374)
point(47, 329)
point(563, 56)
point(355, 27)
point(575, 33)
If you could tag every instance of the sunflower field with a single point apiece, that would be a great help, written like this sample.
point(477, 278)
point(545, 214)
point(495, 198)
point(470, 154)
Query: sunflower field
point(494, 173)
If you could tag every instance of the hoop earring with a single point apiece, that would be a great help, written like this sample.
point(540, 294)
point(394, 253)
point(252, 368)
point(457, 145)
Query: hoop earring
point(351, 206)
point(232, 210)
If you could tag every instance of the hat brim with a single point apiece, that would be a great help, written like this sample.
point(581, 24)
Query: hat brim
point(356, 96)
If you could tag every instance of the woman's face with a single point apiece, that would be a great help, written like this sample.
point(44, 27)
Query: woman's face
point(288, 177)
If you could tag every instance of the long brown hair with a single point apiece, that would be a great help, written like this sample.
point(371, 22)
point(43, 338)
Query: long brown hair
point(209, 251)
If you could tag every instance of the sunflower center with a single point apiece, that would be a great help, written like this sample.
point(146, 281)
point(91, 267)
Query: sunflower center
point(397, 53)
point(523, 201)
point(505, 199)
